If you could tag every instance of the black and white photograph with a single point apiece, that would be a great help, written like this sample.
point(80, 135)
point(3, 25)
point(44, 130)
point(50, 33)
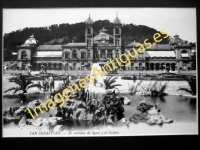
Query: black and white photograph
point(90, 72)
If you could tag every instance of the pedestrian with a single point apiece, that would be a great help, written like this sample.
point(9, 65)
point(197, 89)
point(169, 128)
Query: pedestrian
point(51, 82)
point(45, 84)
point(67, 81)
point(39, 86)
point(42, 84)
point(134, 78)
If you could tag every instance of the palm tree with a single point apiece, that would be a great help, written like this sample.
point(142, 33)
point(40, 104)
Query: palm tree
point(23, 84)
point(192, 82)
point(109, 83)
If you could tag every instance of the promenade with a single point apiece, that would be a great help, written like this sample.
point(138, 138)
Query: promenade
point(120, 73)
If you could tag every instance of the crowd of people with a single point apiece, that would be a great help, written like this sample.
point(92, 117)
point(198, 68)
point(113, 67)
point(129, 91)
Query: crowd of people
point(48, 83)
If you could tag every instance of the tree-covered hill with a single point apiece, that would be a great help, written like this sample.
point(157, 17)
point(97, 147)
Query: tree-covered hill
point(65, 33)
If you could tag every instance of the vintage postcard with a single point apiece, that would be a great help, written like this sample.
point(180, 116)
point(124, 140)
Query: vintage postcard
point(79, 72)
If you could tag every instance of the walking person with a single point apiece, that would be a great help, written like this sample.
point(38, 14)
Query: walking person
point(45, 84)
point(134, 78)
point(38, 82)
point(67, 80)
point(51, 82)
point(42, 84)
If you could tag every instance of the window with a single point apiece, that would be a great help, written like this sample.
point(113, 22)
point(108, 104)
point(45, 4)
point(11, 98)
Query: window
point(89, 42)
point(23, 55)
point(117, 54)
point(89, 55)
point(66, 55)
point(83, 55)
point(82, 65)
point(103, 54)
point(74, 66)
point(89, 31)
point(74, 54)
point(117, 41)
point(132, 66)
point(117, 31)
point(96, 56)
point(109, 54)
point(140, 66)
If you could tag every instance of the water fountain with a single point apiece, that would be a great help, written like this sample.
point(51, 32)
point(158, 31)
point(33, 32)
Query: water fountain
point(98, 86)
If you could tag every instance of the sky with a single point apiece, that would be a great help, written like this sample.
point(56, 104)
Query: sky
point(181, 21)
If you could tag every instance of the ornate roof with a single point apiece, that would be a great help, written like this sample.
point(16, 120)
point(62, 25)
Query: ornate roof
point(89, 20)
point(177, 40)
point(103, 36)
point(31, 40)
point(117, 20)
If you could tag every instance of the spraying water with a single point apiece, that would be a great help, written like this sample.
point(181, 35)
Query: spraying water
point(98, 86)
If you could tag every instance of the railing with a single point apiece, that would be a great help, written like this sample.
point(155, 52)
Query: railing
point(119, 72)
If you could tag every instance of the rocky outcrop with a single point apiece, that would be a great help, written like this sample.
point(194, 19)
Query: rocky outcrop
point(149, 114)
point(40, 123)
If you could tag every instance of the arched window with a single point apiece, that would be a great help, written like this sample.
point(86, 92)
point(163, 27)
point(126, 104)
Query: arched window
point(117, 41)
point(89, 31)
point(89, 54)
point(67, 55)
point(82, 66)
point(74, 66)
point(23, 55)
point(83, 55)
point(74, 54)
point(109, 54)
point(103, 54)
point(117, 31)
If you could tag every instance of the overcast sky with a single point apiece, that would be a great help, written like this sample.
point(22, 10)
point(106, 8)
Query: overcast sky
point(181, 21)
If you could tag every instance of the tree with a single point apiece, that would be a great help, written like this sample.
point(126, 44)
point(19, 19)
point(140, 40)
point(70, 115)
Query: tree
point(23, 84)
point(109, 83)
point(192, 82)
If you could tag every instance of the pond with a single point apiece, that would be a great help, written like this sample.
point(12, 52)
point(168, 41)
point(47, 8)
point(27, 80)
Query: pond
point(180, 109)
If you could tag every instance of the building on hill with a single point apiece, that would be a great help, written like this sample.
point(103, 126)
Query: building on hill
point(101, 48)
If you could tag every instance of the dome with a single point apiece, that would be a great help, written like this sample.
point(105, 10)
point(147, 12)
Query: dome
point(177, 40)
point(89, 21)
point(31, 40)
point(117, 20)
point(103, 36)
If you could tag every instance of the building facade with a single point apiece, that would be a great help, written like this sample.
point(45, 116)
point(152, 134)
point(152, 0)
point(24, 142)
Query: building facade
point(101, 48)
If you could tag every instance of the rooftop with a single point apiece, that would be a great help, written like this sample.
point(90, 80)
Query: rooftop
point(48, 54)
point(50, 47)
point(117, 20)
point(89, 20)
point(161, 47)
point(76, 44)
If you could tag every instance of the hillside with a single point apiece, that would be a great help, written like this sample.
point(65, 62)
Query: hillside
point(65, 33)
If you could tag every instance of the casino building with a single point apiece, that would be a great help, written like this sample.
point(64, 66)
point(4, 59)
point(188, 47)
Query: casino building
point(101, 48)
